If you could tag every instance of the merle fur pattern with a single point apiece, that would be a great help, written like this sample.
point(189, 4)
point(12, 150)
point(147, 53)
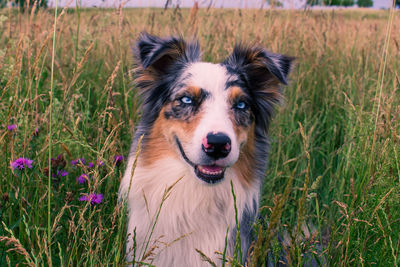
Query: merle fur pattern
point(256, 69)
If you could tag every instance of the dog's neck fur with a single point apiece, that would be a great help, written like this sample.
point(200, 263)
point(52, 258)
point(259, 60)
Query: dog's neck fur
point(192, 213)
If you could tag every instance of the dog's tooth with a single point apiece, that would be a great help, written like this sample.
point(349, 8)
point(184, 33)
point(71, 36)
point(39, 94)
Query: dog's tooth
point(208, 172)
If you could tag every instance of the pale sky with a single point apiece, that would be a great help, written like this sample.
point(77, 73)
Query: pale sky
point(189, 3)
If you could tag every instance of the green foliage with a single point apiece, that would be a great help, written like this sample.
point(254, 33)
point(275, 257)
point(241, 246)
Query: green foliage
point(23, 4)
point(338, 2)
point(274, 3)
point(365, 3)
point(313, 2)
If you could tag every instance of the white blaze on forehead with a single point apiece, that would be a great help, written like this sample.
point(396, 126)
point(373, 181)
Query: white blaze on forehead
point(213, 79)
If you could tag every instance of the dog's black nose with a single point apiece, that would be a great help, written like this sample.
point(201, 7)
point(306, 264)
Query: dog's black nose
point(216, 145)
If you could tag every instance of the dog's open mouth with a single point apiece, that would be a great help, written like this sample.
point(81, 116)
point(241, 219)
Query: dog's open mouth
point(208, 173)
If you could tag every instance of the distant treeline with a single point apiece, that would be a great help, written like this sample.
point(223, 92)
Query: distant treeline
point(24, 4)
point(360, 3)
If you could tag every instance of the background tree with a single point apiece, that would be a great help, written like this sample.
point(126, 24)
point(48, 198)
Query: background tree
point(314, 2)
point(274, 3)
point(366, 3)
point(3, 3)
point(338, 2)
point(23, 4)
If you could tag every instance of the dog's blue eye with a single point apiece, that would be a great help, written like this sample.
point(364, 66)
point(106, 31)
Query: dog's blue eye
point(241, 105)
point(186, 100)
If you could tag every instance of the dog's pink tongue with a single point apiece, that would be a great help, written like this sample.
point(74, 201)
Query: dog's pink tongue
point(212, 168)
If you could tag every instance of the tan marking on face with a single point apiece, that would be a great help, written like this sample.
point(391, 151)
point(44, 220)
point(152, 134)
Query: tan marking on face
point(235, 92)
point(161, 143)
point(156, 145)
point(241, 132)
point(245, 165)
point(194, 90)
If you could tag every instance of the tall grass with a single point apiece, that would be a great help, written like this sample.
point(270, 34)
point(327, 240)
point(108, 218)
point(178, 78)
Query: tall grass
point(50, 172)
point(332, 186)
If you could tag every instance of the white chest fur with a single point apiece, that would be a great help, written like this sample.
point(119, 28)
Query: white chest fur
point(193, 215)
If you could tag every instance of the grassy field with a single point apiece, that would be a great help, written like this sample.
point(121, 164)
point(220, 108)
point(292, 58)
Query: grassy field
point(335, 141)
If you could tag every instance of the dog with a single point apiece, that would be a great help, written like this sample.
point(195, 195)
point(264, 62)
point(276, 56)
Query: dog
point(202, 134)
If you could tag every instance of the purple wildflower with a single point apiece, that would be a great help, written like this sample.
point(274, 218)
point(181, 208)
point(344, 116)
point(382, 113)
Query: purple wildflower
point(93, 198)
point(99, 162)
point(90, 165)
point(84, 198)
point(82, 178)
point(78, 161)
point(59, 157)
point(118, 159)
point(12, 127)
point(21, 163)
point(35, 132)
point(59, 173)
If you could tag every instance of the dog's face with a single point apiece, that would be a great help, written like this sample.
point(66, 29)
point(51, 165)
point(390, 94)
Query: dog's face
point(209, 113)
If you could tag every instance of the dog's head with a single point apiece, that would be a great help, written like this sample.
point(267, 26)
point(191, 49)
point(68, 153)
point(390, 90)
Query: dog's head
point(206, 114)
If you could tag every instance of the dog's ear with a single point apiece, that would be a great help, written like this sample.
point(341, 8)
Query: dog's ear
point(262, 72)
point(158, 55)
point(260, 67)
point(159, 62)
